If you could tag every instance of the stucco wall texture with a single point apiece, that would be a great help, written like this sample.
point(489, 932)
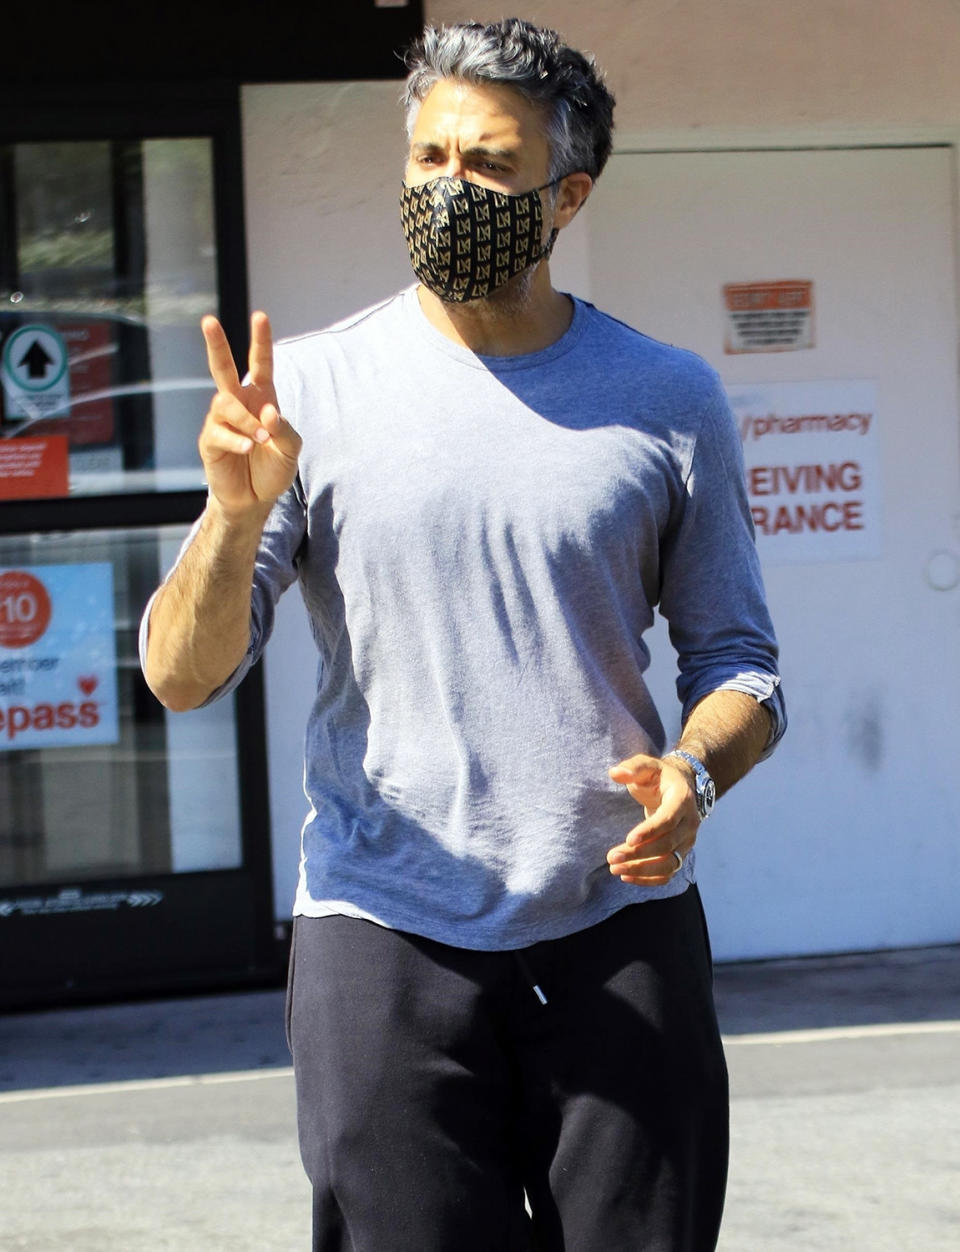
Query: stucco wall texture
point(707, 63)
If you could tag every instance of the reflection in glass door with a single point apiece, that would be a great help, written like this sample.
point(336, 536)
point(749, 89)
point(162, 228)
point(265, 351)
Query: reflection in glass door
point(108, 260)
point(96, 779)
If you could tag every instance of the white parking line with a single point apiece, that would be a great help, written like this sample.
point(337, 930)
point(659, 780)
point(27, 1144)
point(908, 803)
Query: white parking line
point(144, 1084)
point(827, 1034)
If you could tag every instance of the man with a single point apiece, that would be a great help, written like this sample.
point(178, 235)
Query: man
point(500, 1005)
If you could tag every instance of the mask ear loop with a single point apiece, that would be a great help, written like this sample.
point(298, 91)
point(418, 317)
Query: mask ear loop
point(547, 249)
point(553, 181)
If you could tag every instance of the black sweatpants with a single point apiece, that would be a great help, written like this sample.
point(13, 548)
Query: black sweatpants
point(435, 1091)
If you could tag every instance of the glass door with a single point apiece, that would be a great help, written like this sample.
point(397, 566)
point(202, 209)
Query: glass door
point(134, 846)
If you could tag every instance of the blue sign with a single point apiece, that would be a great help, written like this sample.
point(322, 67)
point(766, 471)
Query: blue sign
point(58, 661)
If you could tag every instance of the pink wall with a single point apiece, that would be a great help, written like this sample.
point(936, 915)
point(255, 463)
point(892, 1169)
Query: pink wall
point(699, 63)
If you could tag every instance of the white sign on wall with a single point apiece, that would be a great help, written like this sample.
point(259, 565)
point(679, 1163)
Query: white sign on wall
point(58, 664)
point(812, 455)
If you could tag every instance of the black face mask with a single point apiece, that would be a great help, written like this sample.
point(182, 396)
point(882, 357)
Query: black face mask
point(466, 240)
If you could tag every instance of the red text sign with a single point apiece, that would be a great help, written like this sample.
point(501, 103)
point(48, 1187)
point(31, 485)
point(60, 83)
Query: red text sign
point(32, 468)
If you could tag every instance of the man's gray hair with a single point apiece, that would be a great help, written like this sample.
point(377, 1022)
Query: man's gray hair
point(567, 85)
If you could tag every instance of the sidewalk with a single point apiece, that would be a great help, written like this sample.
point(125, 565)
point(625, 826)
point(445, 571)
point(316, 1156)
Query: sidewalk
point(171, 1124)
point(845, 1084)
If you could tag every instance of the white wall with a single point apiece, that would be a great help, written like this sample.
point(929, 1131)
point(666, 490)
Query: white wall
point(323, 168)
point(847, 837)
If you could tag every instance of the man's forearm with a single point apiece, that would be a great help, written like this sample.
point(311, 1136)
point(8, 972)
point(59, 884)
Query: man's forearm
point(200, 621)
point(727, 731)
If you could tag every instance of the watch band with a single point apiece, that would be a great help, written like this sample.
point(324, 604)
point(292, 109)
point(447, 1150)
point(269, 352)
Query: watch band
point(706, 787)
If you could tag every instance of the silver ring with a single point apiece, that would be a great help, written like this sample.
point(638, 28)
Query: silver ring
point(679, 860)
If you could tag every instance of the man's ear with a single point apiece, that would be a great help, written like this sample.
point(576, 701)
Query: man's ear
point(572, 193)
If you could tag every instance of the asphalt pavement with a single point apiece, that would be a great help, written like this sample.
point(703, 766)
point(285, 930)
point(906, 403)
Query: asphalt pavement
point(171, 1124)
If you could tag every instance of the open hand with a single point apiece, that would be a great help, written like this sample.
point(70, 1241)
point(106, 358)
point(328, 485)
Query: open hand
point(668, 795)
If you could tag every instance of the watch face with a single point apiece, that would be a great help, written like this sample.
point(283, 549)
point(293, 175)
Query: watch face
point(707, 798)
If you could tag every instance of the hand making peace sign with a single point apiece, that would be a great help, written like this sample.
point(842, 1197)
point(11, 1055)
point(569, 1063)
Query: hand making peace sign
point(249, 452)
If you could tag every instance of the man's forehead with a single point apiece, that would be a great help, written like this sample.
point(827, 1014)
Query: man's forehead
point(479, 112)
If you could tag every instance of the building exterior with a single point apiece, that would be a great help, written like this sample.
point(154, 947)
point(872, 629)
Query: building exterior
point(782, 199)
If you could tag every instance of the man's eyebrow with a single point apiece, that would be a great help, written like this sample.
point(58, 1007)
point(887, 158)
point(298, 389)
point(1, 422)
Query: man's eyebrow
point(424, 146)
point(481, 150)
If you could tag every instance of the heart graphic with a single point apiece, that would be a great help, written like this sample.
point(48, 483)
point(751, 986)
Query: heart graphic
point(88, 684)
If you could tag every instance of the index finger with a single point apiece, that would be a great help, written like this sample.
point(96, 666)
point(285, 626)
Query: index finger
point(261, 351)
point(223, 371)
point(634, 767)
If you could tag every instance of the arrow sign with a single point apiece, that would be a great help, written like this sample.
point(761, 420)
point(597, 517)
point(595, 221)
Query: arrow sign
point(36, 380)
point(36, 359)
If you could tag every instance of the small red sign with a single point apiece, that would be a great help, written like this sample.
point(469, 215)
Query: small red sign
point(34, 467)
point(768, 317)
point(25, 609)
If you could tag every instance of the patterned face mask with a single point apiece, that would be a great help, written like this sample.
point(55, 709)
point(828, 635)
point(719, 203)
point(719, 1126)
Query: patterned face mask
point(466, 240)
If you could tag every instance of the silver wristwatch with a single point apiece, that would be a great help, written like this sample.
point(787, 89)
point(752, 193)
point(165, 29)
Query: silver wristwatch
point(706, 787)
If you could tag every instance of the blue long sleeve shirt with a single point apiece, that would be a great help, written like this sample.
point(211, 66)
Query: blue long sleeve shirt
point(480, 544)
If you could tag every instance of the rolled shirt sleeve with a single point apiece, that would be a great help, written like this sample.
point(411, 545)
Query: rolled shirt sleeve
point(712, 592)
